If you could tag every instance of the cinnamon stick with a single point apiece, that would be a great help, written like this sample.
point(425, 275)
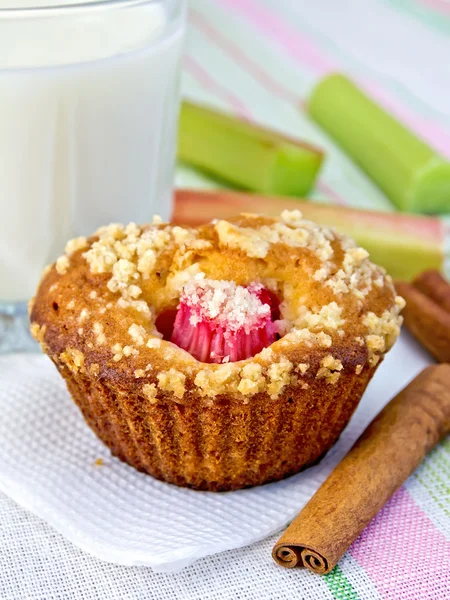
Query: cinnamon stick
point(427, 320)
point(388, 451)
point(435, 286)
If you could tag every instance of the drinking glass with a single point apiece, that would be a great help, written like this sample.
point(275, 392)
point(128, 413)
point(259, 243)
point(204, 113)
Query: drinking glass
point(88, 116)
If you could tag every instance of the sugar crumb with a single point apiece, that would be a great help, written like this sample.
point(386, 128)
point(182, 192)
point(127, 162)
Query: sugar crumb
point(62, 264)
point(172, 381)
point(154, 343)
point(138, 333)
point(75, 244)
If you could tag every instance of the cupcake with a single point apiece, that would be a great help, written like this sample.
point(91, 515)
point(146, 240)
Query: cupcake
point(217, 357)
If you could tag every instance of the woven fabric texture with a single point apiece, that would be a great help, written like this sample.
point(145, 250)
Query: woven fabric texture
point(259, 59)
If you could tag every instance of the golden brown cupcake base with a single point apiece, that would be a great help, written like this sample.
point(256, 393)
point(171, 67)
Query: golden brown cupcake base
point(224, 445)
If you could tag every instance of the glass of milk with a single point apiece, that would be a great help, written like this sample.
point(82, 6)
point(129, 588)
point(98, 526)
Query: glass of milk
point(88, 118)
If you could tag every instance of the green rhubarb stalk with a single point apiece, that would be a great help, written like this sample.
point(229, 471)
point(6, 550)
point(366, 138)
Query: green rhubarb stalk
point(413, 175)
point(244, 154)
point(404, 245)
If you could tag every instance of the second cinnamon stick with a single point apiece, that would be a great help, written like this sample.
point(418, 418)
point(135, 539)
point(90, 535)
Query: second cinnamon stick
point(384, 456)
point(427, 320)
point(435, 286)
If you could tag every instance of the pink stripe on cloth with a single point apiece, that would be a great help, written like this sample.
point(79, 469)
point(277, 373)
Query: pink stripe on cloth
point(404, 554)
point(235, 52)
point(428, 131)
point(209, 83)
point(268, 22)
point(439, 5)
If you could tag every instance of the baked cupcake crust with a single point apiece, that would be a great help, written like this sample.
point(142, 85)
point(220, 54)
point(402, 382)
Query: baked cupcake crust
point(216, 426)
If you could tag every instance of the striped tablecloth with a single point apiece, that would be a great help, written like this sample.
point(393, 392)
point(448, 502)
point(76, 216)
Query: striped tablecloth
point(260, 58)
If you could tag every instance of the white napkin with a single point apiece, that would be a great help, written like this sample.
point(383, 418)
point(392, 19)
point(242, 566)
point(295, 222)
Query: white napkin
point(125, 517)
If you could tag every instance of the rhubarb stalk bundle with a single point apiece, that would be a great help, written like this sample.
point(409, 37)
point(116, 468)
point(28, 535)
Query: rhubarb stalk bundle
point(411, 173)
point(403, 244)
point(244, 154)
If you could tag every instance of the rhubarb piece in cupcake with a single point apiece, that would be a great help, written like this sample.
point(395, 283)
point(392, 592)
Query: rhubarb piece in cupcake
point(222, 356)
point(219, 321)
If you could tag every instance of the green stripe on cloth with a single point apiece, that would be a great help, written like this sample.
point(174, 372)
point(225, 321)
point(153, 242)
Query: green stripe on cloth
point(431, 474)
point(339, 585)
point(437, 21)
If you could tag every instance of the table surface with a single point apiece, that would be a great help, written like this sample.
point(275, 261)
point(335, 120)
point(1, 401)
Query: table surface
point(259, 58)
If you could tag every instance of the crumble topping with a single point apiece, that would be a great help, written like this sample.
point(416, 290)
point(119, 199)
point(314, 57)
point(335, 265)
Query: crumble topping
point(290, 230)
point(327, 264)
point(383, 330)
point(328, 317)
point(84, 314)
point(307, 337)
point(252, 380)
point(139, 305)
point(129, 351)
point(374, 359)
point(99, 334)
point(249, 380)
point(138, 333)
point(124, 272)
point(149, 390)
point(321, 274)
point(400, 303)
point(219, 380)
point(38, 332)
point(172, 381)
point(75, 244)
point(73, 358)
point(62, 264)
point(357, 274)
point(154, 343)
point(134, 291)
point(266, 354)
point(278, 376)
point(330, 368)
point(118, 352)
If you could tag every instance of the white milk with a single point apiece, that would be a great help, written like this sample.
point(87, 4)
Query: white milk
point(88, 105)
